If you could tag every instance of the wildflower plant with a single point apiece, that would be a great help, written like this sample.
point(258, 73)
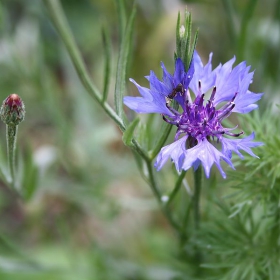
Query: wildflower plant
point(194, 102)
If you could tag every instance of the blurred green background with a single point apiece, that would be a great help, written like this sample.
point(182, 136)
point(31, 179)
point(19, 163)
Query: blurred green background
point(92, 216)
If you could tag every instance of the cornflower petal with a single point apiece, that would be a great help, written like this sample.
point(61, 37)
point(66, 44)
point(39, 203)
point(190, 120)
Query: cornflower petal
point(204, 74)
point(245, 104)
point(150, 102)
point(185, 80)
point(207, 154)
point(158, 86)
point(175, 151)
point(237, 82)
point(227, 81)
point(167, 78)
point(179, 72)
point(234, 145)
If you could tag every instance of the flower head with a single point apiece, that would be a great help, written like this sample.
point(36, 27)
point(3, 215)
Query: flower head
point(199, 121)
point(12, 111)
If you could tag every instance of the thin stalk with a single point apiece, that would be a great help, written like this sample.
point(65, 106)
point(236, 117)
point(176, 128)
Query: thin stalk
point(177, 187)
point(196, 210)
point(11, 135)
point(157, 193)
point(60, 22)
point(184, 224)
point(152, 180)
point(140, 150)
point(196, 197)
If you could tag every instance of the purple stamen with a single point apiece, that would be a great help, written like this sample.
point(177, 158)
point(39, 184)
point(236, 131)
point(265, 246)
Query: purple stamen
point(213, 94)
point(169, 121)
point(225, 113)
point(234, 134)
point(199, 85)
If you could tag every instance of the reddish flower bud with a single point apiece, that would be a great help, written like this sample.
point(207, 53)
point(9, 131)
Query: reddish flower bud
point(12, 111)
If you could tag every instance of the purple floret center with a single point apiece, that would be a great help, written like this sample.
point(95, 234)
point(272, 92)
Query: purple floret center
point(199, 120)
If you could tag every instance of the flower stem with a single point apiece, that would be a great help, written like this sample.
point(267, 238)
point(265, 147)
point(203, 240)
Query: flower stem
point(11, 135)
point(60, 22)
point(196, 210)
point(196, 197)
point(157, 193)
point(177, 187)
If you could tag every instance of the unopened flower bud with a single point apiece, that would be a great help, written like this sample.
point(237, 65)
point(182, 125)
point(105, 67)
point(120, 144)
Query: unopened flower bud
point(182, 31)
point(12, 111)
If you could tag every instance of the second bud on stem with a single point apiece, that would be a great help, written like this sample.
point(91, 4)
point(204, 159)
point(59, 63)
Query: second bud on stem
point(12, 112)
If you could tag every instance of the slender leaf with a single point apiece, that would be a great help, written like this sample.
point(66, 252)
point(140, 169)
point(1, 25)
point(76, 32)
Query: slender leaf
point(27, 175)
point(178, 39)
point(129, 133)
point(122, 63)
point(121, 17)
point(192, 49)
point(187, 38)
point(107, 67)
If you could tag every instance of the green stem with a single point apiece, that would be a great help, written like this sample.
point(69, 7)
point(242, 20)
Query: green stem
point(157, 193)
point(153, 181)
point(177, 187)
point(196, 210)
point(196, 196)
point(11, 135)
point(60, 22)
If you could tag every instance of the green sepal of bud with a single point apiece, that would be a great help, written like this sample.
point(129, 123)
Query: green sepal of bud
point(12, 111)
point(184, 44)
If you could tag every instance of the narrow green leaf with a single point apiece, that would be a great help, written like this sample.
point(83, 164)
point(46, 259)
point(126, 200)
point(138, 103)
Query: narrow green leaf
point(30, 181)
point(188, 36)
point(121, 17)
point(129, 133)
point(188, 26)
point(107, 65)
point(178, 39)
point(29, 174)
point(192, 49)
point(121, 67)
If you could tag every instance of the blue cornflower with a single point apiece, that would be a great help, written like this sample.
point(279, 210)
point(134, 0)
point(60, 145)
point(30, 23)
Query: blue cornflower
point(199, 122)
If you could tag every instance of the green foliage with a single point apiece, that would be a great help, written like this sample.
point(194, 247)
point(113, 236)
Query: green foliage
point(84, 210)
point(261, 176)
point(241, 246)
